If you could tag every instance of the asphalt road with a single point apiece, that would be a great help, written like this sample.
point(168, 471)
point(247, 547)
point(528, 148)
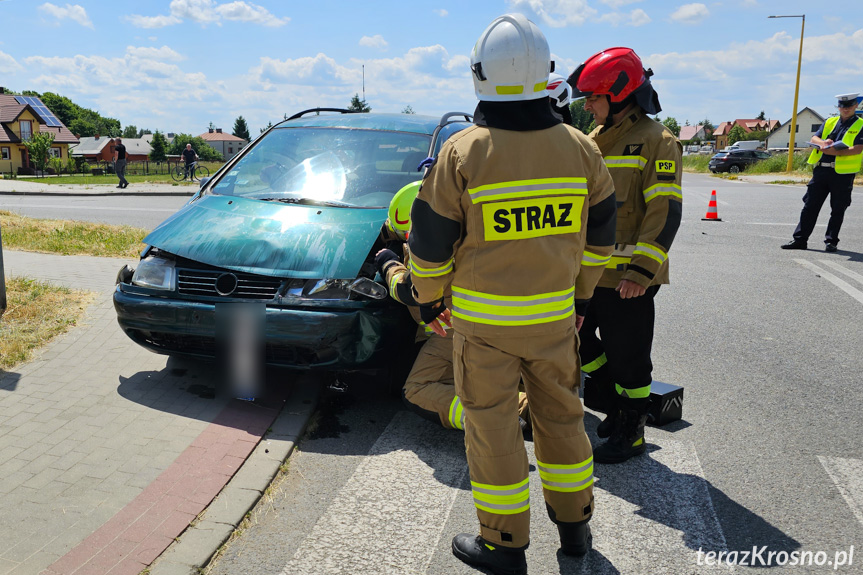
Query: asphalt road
point(766, 343)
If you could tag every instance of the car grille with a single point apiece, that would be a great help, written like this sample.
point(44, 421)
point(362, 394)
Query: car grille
point(221, 283)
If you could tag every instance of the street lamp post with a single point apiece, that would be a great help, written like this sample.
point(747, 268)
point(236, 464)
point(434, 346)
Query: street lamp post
point(796, 91)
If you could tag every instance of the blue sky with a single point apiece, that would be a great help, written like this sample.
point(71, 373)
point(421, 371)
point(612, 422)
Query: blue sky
point(177, 65)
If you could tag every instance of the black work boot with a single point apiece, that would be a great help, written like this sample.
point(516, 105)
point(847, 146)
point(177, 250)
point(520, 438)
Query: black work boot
point(627, 439)
point(606, 426)
point(476, 551)
point(575, 538)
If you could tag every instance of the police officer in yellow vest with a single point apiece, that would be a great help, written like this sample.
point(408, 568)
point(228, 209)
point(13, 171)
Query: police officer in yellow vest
point(516, 217)
point(429, 389)
point(644, 159)
point(837, 157)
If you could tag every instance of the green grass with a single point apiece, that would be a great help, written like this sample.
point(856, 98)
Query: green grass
point(68, 237)
point(696, 163)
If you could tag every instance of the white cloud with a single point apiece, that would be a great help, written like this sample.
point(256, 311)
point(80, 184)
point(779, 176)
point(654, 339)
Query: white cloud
point(691, 14)
point(72, 12)
point(557, 13)
point(637, 17)
point(616, 4)
point(442, 13)
point(8, 63)
point(209, 12)
point(163, 54)
point(377, 41)
point(152, 21)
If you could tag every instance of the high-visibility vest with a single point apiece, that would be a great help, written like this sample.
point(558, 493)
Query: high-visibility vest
point(844, 164)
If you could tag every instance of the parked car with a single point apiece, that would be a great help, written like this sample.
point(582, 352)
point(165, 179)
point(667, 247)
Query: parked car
point(735, 161)
point(287, 232)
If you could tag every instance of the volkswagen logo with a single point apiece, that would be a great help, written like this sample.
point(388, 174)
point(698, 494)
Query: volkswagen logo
point(226, 284)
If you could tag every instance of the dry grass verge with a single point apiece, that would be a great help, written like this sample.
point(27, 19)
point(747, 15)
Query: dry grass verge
point(67, 237)
point(36, 313)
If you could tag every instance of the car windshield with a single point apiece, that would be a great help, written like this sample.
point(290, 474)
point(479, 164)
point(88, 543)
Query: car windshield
point(327, 166)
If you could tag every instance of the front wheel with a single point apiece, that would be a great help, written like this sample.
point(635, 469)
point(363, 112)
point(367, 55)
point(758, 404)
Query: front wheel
point(201, 172)
point(178, 173)
point(735, 169)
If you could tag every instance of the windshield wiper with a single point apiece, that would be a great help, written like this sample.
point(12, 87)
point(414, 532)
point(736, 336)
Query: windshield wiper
point(309, 202)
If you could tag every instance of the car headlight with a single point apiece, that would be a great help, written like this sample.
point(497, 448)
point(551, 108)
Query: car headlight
point(338, 289)
point(155, 273)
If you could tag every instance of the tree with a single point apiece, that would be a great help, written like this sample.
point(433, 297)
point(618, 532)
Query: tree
point(241, 129)
point(160, 147)
point(736, 134)
point(708, 127)
point(408, 110)
point(581, 118)
point(201, 147)
point(130, 132)
point(37, 148)
point(267, 127)
point(672, 125)
point(358, 105)
point(761, 116)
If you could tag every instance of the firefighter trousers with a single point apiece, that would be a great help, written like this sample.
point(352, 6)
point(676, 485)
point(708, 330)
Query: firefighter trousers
point(487, 374)
point(430, 386)
point(620, 356)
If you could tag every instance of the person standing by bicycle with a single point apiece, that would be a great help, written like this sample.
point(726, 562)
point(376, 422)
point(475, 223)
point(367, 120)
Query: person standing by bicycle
point(189, 157)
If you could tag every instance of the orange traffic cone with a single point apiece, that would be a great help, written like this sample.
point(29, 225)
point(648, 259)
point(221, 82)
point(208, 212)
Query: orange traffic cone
point(712, 214)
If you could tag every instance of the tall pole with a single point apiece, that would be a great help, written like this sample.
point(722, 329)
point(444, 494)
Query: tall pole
point(796, 92)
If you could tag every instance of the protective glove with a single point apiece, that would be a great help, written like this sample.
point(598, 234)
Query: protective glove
point(383, 257)
point(436, 316)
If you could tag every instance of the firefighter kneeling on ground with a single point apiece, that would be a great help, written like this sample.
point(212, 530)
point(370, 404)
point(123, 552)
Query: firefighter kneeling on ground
point(516, 218)
point(429, 389)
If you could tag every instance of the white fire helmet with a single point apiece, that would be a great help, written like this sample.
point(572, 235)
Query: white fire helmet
point(511, 61)
point(559, 91)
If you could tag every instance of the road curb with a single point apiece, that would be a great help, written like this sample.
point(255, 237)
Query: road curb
point(70, 193)
point(200, 541)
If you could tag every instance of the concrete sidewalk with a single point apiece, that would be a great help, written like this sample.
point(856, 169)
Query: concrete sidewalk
point(41, 187)
point(109, 452)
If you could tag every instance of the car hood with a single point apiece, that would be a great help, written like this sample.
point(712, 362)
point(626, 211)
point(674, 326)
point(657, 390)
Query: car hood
point(271, 238)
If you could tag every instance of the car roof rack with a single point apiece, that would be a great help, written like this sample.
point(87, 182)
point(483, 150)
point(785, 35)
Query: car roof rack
point(318, 110)
point(445, 119)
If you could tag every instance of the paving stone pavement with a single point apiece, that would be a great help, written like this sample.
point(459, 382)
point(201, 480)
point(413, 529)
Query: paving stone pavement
point(108, 451)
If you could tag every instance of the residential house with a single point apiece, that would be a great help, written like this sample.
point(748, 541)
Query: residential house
point(808, 122)
point(20, 118)
point(689, 133)
point(101, 149)
point(720, 134)
point(228, 145)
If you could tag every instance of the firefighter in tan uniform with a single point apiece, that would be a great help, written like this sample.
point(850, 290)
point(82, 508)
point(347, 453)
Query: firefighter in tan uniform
point(644, 159)
point(429, 389)
point(516, 218)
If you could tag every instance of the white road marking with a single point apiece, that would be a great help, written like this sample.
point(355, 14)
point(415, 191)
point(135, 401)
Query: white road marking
point(838, 282)
point(840, 268)
point(390, 516)
point(847, 474)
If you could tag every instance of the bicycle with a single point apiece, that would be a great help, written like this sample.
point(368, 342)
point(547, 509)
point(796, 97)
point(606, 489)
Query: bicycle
point(196, 172)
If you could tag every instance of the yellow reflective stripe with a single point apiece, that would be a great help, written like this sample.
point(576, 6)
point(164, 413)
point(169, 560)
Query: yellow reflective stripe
point(592, 259)
point(422, 272)
point(456, 413)
point(509, 90)
point(429, 331)
point(529, 189)
point(637, 393)
point(663, 190)
point(539, 87)
point(502, 499)
point(595, 364)
point(566, 478)
point(394, 281)
point(618, 261)
point(650, 251)
point(626, 162)
point(494, 309)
